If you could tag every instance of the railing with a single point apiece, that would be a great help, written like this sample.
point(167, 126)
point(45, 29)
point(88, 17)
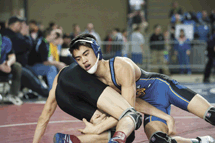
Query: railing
point(197, 55)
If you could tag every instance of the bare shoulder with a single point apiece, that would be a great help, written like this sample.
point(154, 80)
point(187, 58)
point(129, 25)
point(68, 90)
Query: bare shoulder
point(123, 63)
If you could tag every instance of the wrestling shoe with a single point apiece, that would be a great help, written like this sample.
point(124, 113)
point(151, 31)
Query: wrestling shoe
point(206, 139)
point(14, 99)
point(65, 138)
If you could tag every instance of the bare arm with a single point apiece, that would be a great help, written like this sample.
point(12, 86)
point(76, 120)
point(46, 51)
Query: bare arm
point(100, 122)
point(47, 112)
point(126, 78)
point(146, 108)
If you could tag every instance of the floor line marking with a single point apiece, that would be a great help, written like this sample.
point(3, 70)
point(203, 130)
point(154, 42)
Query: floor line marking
point(34, 123)
point(77, 121)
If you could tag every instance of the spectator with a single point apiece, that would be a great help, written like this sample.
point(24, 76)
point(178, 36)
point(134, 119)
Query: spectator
point(176, 19)
point(167, 48)
point(183, 48)
point(212, 16)
point(118, 42)
point(65, 55)
point(2, 26)
point(205, 18)
point(18, 32)
point(35, 33)
point(175, 9)
point(54, 50)
point(125, 47)
point(107, 47)
point(90, 30)
point(9, 66)
point(53, 25)
point(137, 40)
point(76, 31)
point(42, 62)
point(157, 51)
point(210, 55)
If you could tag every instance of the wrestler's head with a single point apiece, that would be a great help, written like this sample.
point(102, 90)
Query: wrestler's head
point(86, 52)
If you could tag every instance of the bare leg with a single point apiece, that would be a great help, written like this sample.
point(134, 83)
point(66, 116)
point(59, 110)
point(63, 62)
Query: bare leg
point(91, 138)
point(155, 126)
point(114, 104)
point(198, 106)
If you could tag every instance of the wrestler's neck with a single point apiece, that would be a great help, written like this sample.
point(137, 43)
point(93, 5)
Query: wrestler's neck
point(102, 68)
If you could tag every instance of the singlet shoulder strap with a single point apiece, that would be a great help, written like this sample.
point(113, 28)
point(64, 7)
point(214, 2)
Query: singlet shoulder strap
point(111, 64)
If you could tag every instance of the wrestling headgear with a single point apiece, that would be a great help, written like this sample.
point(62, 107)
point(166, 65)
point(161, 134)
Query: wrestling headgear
point(96, 49)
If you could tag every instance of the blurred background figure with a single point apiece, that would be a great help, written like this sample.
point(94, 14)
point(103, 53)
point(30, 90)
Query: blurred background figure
point(53, 25)
point(175, 9)
point(35, 32)
point(125, 49)
point(90, 30)
point(183, 50)
point(117, 42)
point(9, 67)
point(108, 38)
point(137, 41)
point(65, 55)
point(76, 30)
point(211, 55)
point(18, 32)
point(157, 51)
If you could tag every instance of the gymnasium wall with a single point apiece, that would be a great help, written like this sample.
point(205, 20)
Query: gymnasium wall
point(104, 14)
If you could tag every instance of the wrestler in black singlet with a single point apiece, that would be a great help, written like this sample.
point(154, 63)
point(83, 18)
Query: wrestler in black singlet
point(77, 93)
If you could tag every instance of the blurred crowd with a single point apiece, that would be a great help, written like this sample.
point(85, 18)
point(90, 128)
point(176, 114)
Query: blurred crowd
point(31, 56)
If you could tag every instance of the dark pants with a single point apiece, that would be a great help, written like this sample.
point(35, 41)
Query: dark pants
point(31, 81)
point(208, 68)
point(16, 70)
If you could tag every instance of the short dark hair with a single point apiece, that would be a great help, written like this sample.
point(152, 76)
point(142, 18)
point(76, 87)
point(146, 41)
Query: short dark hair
point(156, 26)
point(47, 32)
point(73, 45)
point(181, 30)
point(51, 24)
point(33, 22)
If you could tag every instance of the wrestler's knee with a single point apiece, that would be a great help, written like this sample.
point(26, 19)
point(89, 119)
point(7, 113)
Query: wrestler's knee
point(154, 126)
point(134, 115)
point(210, 115)
point(161, 137)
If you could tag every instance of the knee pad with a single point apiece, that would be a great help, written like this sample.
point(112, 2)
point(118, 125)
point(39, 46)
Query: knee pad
point(160, 137)
point(134, 115)
point(210, 115)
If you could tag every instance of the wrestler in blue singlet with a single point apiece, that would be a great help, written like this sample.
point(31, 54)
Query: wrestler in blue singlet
point(160, 91)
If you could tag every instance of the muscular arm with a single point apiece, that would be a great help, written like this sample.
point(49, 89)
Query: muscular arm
point(47, 112)
point(126, 78)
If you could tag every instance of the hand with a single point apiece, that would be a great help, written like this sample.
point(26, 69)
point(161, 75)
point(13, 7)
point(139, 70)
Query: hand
point(98, 119)
point(188, 52)
point(89, 129)
point(171, 125)
point(5, 67)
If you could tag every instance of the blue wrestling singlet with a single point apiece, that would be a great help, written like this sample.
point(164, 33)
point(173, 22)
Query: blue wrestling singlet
point(160, 91)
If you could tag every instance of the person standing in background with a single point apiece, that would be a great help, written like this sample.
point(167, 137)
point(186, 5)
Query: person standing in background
point(157, 51)
point(137, 51)
point(182, 50)
point(76, 31)
point(90, 30)
point(210, 55)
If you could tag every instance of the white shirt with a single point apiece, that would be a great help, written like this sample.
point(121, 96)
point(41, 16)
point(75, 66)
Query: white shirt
point(137, 40)
point(136, 4)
